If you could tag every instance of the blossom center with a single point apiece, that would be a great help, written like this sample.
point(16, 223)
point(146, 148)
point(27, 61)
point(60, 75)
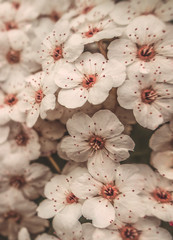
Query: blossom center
point(57, 53)
point(109, 191)
point(21, 139)
point(39, 96)
point(12, 215)
point(146, 52)
point(16, 5)
point(162, 195)
point(97, 142)
point(148, 95)
point(10, 25)
point(71, 198)
point(129, 233)
point(13, 56)
point(91, 32)
point(87, 9)
point(17, 181)
point(89, 81)
point(10, 100)
point(54, 16)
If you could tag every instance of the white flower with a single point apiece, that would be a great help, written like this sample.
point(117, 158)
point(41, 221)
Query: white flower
point(124, 12)
point(9, 102)
point(152, 102)
point(28, 179)
point(91, 10)
point(147, 48)
point(162, 138)
point(93, 31)
point(110, 192)
point(60, 199)
point(54, 10)
point(16, 56)
point(38, 97)
point(60, 46)
point(49, 132)
point(22, 140)
point(16, 213)
point(163, 162)
point(143, 229)
point(89, 79)
point(17, 15)
point(96, 139)
point(157, 194)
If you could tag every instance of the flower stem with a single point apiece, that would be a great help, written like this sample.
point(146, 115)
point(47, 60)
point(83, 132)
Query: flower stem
point(54, 164)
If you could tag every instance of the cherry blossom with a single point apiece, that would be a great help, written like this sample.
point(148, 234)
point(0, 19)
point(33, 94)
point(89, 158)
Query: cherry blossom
point(9, 101)
point(60, 46)
point(53, 10)
point(152, 102)
point(17, 15)
point(60, 198)
point(147, 47)
point(157, 194)
point(96, 139)
point(124, 12)
point(89, 78)
point(38, 97)
point(108, 194)
point(28, 179)
point(17, 212)
point(22, 140)
point(144, 228)
point(93, 31)
point(91, 10)
point(17, 57)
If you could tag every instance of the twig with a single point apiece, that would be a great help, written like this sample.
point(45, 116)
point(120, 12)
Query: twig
point(54, 164)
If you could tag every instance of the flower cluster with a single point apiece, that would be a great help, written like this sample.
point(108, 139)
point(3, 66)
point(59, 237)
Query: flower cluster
point(77, 79)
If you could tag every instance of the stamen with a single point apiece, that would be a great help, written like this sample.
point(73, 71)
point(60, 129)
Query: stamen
point(148, 95)
point(17, 181)
point(13, 56)
point(10, 99)
point(71, 198)
point(109, 191)
point(129, 233)
point(89, 81)
point(22, 139)
point(57, 53)
point(146, 52)
point(162, 195)
point(96, 142)
point(91, 32)
point(39, 96)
